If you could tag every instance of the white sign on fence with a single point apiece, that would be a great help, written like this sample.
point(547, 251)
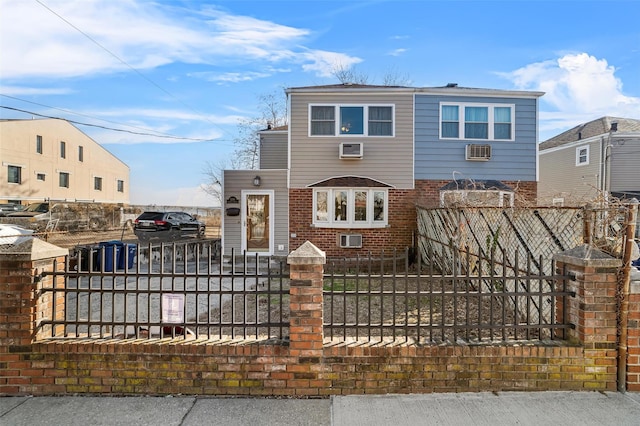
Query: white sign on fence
point(173, 308)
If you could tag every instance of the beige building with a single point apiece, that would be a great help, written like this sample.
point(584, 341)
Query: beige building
point(51, 159)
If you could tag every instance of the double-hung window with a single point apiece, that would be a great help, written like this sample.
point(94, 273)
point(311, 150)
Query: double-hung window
point(97, 183)
point(582, 155)
point(120, 185)
point(350, 207)
point(357, 120)
point(477, 121)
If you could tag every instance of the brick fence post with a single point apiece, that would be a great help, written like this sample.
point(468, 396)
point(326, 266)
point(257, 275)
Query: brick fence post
point(305, 303)
point(22, 307)
point(594, 310)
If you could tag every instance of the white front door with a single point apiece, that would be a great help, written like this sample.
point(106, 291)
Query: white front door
point(257, 222)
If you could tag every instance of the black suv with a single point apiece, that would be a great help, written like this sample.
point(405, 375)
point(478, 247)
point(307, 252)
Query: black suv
point(167, 226)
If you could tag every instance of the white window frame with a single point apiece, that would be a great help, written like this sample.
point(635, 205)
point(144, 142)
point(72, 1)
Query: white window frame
point(586, 155)
point(38, 174)
point(350, 222)
point(491, 123)
point(365, 121)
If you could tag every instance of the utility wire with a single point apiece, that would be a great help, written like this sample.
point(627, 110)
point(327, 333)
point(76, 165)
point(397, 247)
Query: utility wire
point(127, 65)
point(157, 135)
point(147, 131)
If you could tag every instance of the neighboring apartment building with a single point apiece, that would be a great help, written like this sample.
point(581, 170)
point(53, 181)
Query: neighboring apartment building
point(355, 160)
point(51, 159)
point(591, 161)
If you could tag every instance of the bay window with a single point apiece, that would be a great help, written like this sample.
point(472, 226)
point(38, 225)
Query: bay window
point(350, 207)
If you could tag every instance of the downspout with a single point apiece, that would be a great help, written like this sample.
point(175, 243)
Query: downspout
point(632, 218)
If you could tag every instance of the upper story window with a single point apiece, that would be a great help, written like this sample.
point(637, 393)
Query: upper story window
point(39, 144)
point(582, 155)
point(358, 120)
point(97, 183)
point(14, 174)
point(477, 121)
point(41, 176)
point(350, 207)
point(63, 149)
point(81, 153)
point(120, 185)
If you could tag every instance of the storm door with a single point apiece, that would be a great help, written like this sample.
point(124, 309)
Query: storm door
point(257, 218)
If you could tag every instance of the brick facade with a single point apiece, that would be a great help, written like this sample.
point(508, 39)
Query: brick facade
point(402, 226)
point(309, 365)
point(399, 234)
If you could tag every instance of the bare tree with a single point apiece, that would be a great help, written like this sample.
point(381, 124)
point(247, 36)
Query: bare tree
point(273, 112)
point(350, 75)
point(393, 78)
point(272, 108)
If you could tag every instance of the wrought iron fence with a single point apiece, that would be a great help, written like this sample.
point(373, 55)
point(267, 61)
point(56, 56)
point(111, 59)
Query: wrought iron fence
point(398, 297)
point(120, 291)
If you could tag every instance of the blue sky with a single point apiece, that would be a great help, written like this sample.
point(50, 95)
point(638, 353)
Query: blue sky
point(192, 69)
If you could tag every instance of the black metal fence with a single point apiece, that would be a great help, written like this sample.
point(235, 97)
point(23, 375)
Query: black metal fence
point(124, 291)
point(402, 297)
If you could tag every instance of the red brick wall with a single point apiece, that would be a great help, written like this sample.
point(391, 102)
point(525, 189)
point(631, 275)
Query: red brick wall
point(429, 192)
point(398, 235)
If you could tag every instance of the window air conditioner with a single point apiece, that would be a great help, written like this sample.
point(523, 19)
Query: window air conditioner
point(350, 240)
point(351, 150)
point(478, 152)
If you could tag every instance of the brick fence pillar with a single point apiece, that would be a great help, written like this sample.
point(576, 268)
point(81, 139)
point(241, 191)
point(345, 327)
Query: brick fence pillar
point(22, 307)
point(594, 310)
point(305, 303)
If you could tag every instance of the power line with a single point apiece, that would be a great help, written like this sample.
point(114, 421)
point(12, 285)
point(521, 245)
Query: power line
point(155, 132)
point(157, 135)
point(129, 66)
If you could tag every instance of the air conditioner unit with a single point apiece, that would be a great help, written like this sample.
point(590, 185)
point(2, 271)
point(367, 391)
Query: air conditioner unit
point(476, 152)
point(350, 240)
point(351, 150)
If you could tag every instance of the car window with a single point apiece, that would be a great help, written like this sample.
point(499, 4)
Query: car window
point(150, 216)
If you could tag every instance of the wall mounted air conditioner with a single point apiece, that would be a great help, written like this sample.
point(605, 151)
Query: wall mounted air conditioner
point(350, 240)
point(351, 150)
point(476, 152)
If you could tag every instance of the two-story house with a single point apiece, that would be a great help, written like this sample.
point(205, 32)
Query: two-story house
point(590, 162)
point(348, 171)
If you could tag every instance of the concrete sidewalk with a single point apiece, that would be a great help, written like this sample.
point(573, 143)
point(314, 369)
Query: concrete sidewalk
point(514, 408)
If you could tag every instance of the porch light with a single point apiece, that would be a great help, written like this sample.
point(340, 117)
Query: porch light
point(256, 181)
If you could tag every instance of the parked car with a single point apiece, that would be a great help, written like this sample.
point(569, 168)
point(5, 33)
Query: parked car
point(8, 208)
point(32, 210)
point(167, 225)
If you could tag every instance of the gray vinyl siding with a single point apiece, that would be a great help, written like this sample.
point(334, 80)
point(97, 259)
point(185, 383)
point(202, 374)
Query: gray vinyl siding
point(437, 158)
point(561, 178)
point(387, 159)
point(625, 165)
point(273, 150)
point(235, 181)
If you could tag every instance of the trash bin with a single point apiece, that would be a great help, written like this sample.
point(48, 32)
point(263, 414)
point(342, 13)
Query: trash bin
point(131, 255)
point(111, 252)
point(85, 255)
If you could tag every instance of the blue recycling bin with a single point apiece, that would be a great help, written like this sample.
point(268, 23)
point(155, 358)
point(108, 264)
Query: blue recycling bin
point(109, 249)
point(131, 255)
point(122, 252)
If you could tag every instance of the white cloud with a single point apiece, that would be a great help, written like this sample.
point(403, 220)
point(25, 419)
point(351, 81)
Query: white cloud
point(578, 88)
point(142, 34)
point(324, 63)
point(397, 52)
point(24, 90)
